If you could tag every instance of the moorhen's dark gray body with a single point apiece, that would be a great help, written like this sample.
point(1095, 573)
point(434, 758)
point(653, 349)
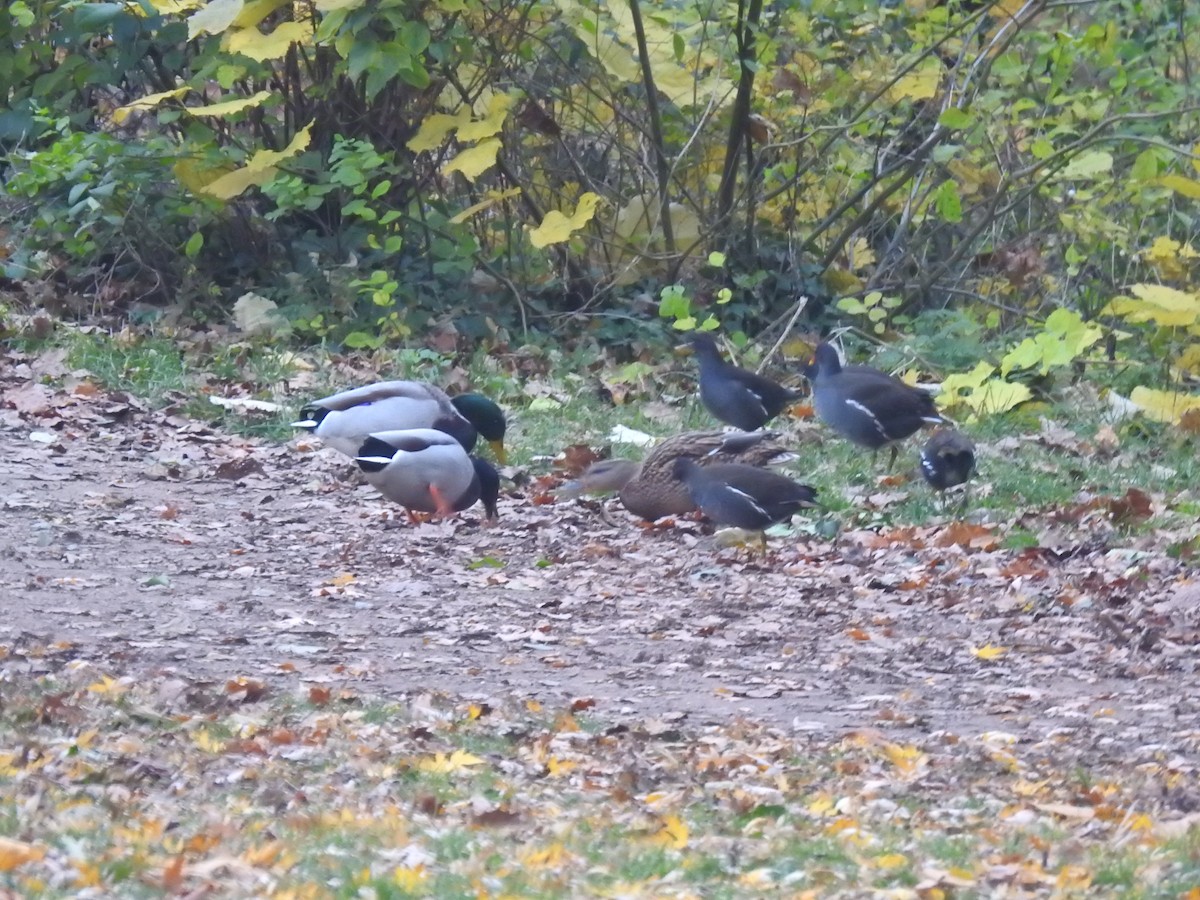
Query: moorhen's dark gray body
point(737, 396)
point(864, 405)
point(743, 496)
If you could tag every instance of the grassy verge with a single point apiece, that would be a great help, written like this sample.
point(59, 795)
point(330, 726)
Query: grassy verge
point(123, 788)
point(1044, 459)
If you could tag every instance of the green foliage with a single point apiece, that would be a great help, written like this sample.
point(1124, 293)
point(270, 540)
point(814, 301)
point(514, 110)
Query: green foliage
point(96, 208)
point(586, 154)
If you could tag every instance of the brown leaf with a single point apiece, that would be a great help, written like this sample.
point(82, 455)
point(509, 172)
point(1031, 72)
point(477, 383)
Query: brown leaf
point(318, 696)
point(1133, 506)
point(31, 399)
point(236, 469)
point(574, 459)
point(500, 817)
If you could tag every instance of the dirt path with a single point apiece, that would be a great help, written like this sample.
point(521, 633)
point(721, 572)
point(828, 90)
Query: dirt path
point(151, 544)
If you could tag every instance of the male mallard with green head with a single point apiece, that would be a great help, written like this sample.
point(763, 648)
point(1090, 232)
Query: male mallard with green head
point(347, 419)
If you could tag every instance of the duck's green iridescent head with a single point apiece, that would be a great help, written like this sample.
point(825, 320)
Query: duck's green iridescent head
point(488, 419)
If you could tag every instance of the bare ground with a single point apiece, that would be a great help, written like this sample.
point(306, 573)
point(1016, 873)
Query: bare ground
point(151, 544)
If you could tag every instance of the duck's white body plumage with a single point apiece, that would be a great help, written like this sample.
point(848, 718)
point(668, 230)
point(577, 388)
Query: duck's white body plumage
point(420, 468)
point(345, 420)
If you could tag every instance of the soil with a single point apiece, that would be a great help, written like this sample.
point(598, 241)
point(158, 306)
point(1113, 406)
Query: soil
point(152, 544)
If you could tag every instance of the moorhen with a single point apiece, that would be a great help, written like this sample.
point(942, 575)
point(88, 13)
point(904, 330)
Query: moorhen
point(744, 496)
point(864, 405)
point(737, 396)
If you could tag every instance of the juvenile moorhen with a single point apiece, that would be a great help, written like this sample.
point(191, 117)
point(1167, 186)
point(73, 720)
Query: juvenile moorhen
point(947, 459)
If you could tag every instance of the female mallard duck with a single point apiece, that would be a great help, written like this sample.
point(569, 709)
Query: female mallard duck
point(345, 420)
point(427, 470)
point(650, 489)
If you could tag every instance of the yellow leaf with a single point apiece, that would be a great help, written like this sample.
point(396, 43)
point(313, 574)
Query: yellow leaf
point(891, 861)
point(255, 11)
point(174, 7)
point(919, 84)
point(260, 47)
point(265, 855)
point(87, 874)
point(15, 853)
point(988, 652)
point(672, 834)
point(989, 397)
point(148, 102)
point(474, 711)
point(229, 107)
point(905, 758)
point(206, 742)
point(1189, 360)
point(259, 170)
point(1186, 186)
point(821, 806)
point(474, 161)
point(533, 706)
point(433, 130)
point(214, 18)
point(194, 173)
point(410, 878)
point(557, 227)
point(1163, 406)
point(559, 767)
point(552, 857)
point(341, 580)
point(1073, 878)
point(490, 199)
point(491, 124)
point(862, 257)
point(110, 686)
point(441, 764)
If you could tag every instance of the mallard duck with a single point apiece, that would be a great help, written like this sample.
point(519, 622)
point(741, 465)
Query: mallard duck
point(650, 490)
point(743, 496)
point(345, 420)
point(427, 470)
point(737, 396)
point(947, 459)
point(864, 405)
